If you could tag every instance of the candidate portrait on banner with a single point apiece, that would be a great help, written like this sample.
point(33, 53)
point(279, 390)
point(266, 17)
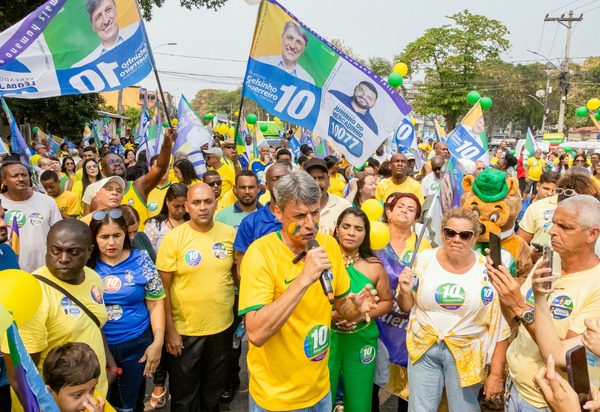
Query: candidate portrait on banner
point(363, 99)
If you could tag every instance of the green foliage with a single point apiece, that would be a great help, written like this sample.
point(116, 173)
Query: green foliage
point(148, 5)
point(134, 116)
point(450, 58)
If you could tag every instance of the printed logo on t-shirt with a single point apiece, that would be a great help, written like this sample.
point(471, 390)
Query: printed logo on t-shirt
point(15, 214)
point(130, 202)
point(561, 307)
point(450, 296)
point(487, 295)
point(152, 206)
point(316, 343)
point(36, 219)
point(367, 354)
point(96, 294)
point(112, 284)
point(114, 312)
point(407, 256)
point(193, 258)
point(70, 308)
point(219, 250)
point(415, 285)
point(129, 278)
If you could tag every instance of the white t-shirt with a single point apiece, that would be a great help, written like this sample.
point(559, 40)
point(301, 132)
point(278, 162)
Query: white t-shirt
point(430, 184)
point(35, 217)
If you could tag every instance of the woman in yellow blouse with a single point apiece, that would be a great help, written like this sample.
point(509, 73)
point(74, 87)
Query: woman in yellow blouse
point(337, 182)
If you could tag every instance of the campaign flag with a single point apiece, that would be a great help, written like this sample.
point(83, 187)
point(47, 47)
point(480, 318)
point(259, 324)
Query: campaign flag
point(469, 140)
point(405, 141)
point(54, 147)
point(530, 145)
point(56, 50)
point(97, 141)
point(318, 87)
point(440, 133)
point(320, 147)
point(144, 123)
point(15, 239)
point(17, 143)
point(295, 146)
point(197, 159)
point(191, 134)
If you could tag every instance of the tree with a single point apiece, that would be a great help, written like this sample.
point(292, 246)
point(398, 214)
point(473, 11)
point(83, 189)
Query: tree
point(134, 116)
point(450, 58)
point(148, 5)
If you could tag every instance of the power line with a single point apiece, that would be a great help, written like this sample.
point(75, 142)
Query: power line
point(586, 4)
point(202, 57)
point(562, 7)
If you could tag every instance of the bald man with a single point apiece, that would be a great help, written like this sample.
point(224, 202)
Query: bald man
point(195, 262)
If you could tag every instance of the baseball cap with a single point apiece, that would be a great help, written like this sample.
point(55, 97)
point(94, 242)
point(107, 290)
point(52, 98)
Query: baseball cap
point(228, 142)
point(116, 179)
point(214, 151)
point(410, 156)
point(314, 162)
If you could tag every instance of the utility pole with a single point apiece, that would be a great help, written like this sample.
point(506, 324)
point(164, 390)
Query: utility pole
point(563, 78)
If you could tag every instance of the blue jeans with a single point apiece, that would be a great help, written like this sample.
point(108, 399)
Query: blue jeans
point(427, 378)
point(515, 403)
point(324, 405)
point(126, 394)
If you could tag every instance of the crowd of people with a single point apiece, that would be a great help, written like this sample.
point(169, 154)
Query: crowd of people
point(148, 270)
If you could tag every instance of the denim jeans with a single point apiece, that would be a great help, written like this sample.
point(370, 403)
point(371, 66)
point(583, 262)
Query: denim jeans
point(324, 405)
point(427, 378)
point(127, 391)
point(515, 403)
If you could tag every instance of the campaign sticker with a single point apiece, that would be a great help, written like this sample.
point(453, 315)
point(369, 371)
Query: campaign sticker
point(487, 295)
point(112, 284)
point(36, 219)
point(152, 207)
point(130, 202)
point(450, 296)
point(129, 277)
point(316, 343)
point(193, 258)
point(530, 298)
point(70, 308)
point(114, 312)
point(367, 354)
point(219, 250)
point(96, 294)
point(561, 307)
point(416, 281)
point(15, 215)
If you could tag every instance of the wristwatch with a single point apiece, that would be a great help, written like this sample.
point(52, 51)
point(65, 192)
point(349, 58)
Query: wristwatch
point(527, 318)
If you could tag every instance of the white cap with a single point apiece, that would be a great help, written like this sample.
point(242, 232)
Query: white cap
point(214, 151)
point(116, 179)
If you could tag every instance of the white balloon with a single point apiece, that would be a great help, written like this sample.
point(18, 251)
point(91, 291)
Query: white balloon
point(252, 2)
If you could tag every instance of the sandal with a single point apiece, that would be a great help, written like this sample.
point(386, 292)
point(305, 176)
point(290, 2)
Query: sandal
point(158, 401)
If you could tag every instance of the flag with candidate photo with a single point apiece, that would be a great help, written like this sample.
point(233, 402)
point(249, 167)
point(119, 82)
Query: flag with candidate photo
point(298, 76)
point(469, 140)
point(62, 48)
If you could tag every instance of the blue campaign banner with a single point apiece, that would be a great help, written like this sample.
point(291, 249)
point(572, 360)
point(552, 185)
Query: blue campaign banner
point(463, 145)
point(65, 48)
point(296, 75)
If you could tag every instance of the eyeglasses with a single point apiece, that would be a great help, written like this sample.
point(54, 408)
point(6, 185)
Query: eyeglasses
point(216, 182)
point(579, 161)
point(91, 166)
point(113, 162)
point(112, 213)
point(565, 192)
point(464, 235)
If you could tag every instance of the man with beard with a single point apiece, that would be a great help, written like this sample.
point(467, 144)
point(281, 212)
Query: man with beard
point(136, 192)
point(399, 181)
point(361, 102)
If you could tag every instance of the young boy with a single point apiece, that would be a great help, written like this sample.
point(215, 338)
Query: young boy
point(71, 374)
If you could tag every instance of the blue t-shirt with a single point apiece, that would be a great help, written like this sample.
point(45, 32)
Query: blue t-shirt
point(127, 285)
point(255, 225)
point(8, 260)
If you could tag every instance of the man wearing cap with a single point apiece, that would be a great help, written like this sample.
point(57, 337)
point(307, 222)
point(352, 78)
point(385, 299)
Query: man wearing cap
point(259, 165)
point(230, 155)
point(331, 206)
point(431, 182)
point(214, 160)
point(108, 196)
point(399, 181)
point(33, 212)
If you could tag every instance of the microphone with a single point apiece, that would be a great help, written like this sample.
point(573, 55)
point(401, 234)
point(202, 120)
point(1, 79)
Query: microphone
point(326, 275)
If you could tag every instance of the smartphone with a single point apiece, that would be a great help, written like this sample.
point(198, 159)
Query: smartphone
point(538, 247)
point(495, 249)
point(548, 255)
point(577, 370)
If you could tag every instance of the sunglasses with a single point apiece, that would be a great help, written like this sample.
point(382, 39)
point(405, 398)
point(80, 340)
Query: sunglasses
point(565, 192)
point(578, 160)
point(113, 162)
point(215, 183)
point(112, 213)
point(451, 234)
point(69, 164)
point(92, 166)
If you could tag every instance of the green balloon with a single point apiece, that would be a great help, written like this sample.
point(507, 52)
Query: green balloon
point(35, 129)
point(206, 116)
point(395, 79)
point(567, 148)
point(211, 116)
point(165, 124)
point(264, 128)
point(251, 118)
point(473, 97)
point(118, 130)
point(512, 152)
point(581, 111)
point(486, 103)
point(597, 115)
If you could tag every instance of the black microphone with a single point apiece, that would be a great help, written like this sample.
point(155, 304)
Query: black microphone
point(326, 275)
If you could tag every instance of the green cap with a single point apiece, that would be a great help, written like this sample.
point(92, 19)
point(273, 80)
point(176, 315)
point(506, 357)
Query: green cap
point(490, 185)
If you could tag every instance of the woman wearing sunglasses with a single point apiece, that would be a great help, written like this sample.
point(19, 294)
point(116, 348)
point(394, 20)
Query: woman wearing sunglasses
point(91, 174)
point(354, 344)
point(456, 326)
point(133, 296)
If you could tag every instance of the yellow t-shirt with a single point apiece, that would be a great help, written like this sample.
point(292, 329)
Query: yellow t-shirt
point(535, 168)
point(537, 219)
point(227, 176)
point(576, 297)
point(494, 161)
point(337, 185)
point(79, 175)
point(202, 285)
point(265, 198)
point(58, 320)
point(290, 370)
point(386, 187)
point(596, 179)
point(156, 198)
point(227, 199)
point(132, 198)
point(68, 203)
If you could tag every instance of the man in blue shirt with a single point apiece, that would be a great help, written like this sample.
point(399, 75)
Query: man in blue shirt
point(361, 102)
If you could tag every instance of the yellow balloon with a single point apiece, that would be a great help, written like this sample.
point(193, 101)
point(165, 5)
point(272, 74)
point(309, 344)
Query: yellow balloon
point(276, 120)
point(174, 122)
point(593, 104)
point(372, 208)
point(20, 294)
point(5, 319)
point(237, 113)
point(380, 235)
point(401, 69)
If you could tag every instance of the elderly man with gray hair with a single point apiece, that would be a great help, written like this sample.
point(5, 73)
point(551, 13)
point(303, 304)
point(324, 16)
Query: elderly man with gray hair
point(554, 304)
point(287, 314)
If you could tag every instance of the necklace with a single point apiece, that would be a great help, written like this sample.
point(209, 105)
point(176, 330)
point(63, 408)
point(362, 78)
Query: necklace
point(350, 260)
